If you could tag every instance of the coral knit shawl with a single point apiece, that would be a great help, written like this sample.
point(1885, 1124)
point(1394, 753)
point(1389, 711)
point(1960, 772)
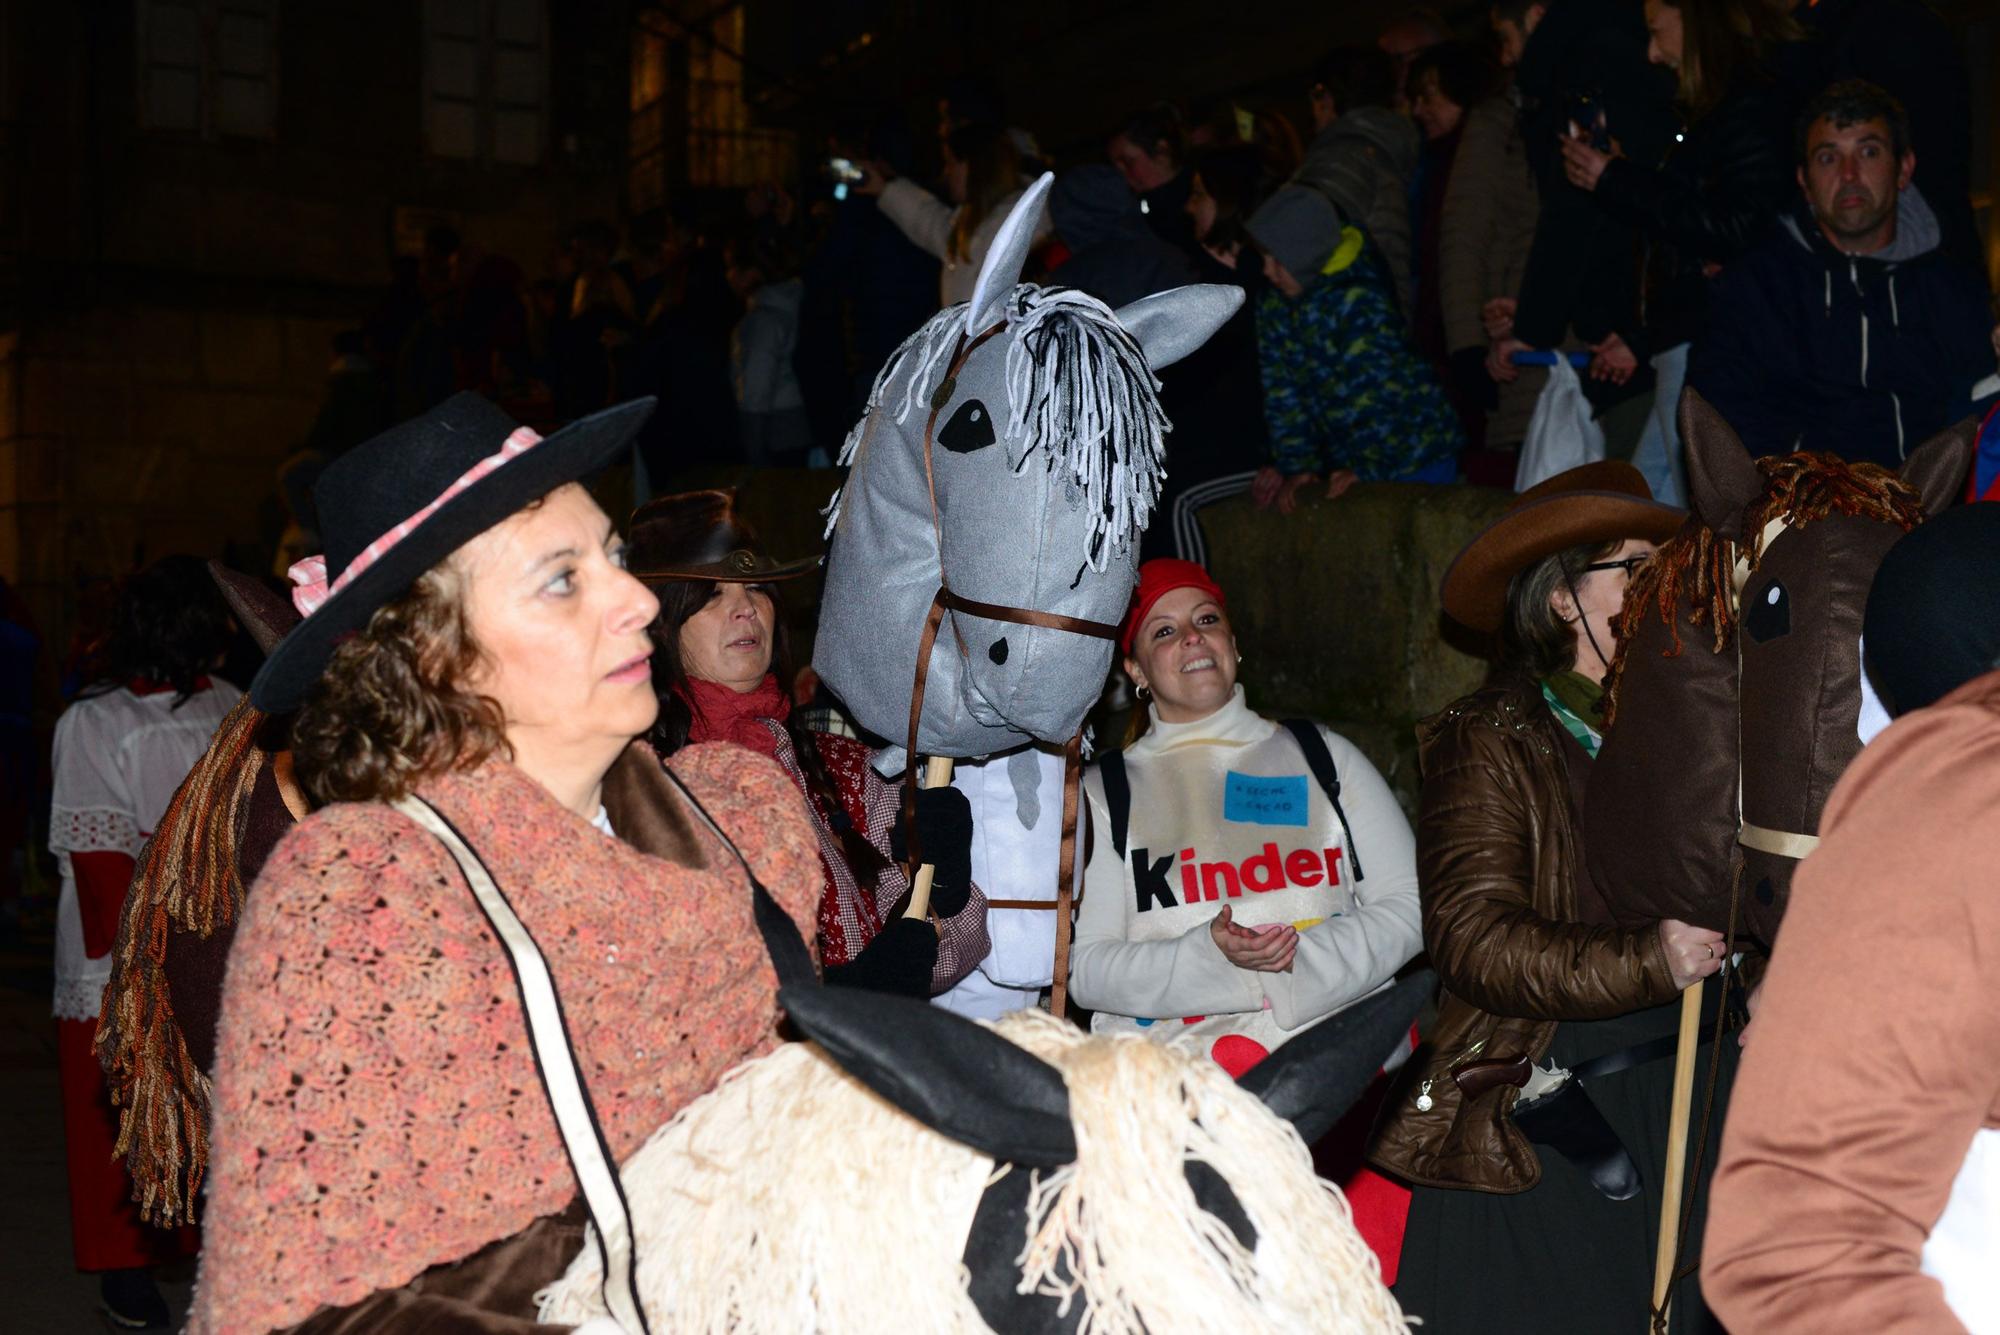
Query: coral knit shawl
point(377, 1110)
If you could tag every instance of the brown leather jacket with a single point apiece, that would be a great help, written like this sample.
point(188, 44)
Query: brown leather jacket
point(1497, 853)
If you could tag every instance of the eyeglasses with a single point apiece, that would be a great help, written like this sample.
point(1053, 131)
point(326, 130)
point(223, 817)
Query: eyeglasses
point(1630, 565)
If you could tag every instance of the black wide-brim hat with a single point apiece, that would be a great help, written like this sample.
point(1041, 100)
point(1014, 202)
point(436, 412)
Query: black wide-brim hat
point(696, 535)
point(400, 503)
point(1598, 502)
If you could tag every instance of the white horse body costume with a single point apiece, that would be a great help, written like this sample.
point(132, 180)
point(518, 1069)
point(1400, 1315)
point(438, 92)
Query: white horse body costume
point(1046, 454)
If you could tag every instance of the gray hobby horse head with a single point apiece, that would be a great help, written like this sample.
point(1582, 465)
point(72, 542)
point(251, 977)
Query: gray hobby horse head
point(1047, 455)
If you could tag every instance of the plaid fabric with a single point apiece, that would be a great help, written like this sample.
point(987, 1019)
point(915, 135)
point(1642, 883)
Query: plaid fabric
point(308, 577)
point(850, 912)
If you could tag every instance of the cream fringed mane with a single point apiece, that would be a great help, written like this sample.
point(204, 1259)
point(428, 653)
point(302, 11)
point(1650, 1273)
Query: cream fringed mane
point(791, 1198)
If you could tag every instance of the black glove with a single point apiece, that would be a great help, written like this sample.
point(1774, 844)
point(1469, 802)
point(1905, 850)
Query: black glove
point(944, 837)
point(1469, 378)
point(901, 960)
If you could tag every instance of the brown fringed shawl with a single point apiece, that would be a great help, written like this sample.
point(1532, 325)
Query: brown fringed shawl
point(189, 880)
point(1695, 570)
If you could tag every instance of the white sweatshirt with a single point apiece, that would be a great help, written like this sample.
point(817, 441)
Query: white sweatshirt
point(1225, 810)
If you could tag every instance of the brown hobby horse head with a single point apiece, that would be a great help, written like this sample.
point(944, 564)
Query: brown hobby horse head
point(1737, 682)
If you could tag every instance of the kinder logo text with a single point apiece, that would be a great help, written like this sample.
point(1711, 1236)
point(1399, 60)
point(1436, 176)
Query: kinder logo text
point(1258, 874)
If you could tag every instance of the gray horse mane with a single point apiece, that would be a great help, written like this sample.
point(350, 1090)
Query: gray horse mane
point(1079, 384)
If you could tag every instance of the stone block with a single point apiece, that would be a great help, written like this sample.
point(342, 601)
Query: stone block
point(180, 417)
point(264, 426)
point(308, 350)
point(30, 471)
point(165, 345)
point(152, 477)
point(240, 349)
point(10, 397)
point(96, 333)
point(47, 384)
point(98, 401)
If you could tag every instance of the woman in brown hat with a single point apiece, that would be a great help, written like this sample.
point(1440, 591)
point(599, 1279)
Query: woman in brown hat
point(1533, 1125)
point(716, 642)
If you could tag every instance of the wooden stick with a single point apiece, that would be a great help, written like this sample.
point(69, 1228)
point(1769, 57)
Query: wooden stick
point(1679, 1112)
point(937, 773)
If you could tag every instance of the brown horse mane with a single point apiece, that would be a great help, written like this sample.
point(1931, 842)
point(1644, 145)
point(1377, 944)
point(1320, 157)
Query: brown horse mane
point(1696, 565)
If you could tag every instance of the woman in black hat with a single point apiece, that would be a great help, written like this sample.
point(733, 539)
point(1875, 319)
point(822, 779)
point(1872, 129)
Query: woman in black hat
point(1537, 1167)
point(717, 641)
point(503, 898)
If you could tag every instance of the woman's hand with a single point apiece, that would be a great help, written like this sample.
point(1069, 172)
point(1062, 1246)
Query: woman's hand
point(944, 832)
point(1612, 360)
point(1288, 491)
point(1264, 487)
point(1583, 163)
point(1265, 949)
point(1227, 255)
point(1497, 317)
point(1339, 481)
point(875, 178)
point(1500, 359)
point(1693, 953)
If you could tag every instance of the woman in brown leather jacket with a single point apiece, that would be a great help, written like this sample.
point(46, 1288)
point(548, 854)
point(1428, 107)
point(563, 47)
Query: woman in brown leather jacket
point(1538, 982)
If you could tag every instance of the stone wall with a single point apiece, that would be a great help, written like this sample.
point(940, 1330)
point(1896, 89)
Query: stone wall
point(1336, 607)
point(130, 432)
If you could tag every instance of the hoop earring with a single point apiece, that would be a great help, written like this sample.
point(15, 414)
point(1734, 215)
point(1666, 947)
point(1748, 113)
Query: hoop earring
point(1142, 694)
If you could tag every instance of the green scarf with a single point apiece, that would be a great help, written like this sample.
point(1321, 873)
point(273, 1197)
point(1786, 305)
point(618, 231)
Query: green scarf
point(1578, 704)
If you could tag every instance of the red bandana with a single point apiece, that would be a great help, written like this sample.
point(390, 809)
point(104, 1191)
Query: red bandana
point(724, 714)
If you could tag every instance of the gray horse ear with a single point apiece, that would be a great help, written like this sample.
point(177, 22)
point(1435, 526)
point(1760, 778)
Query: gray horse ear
point(1169, 325)
point(956, 1077)
point(1313, 1080)
point(1006, 258)
point(1723, 480)
point(1937, 468)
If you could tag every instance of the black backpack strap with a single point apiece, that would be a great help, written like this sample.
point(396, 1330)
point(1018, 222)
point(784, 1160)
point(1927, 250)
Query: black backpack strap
point(1117, 797)
point(1320, 761)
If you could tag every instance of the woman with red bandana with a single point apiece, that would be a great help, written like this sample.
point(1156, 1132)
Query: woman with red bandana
point(717, 639)
point(120, 751)
point(1246, 878)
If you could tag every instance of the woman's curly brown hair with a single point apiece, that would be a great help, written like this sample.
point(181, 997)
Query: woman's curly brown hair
point(392, 709)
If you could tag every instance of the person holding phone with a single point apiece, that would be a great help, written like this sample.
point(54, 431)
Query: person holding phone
point(1579, 281)
point(1725, 179)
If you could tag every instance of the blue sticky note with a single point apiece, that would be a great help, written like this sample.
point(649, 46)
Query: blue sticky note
point(1262, 799)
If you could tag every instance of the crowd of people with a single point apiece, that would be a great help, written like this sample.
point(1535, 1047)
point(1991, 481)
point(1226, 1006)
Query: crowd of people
point(285, 1019)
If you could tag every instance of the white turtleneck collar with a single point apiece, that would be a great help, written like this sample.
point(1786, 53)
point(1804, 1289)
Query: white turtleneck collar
point(1232, 724)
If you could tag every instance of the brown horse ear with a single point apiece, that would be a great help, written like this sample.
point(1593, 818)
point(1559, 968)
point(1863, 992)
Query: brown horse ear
point(1937, 468)
point(1723, 480)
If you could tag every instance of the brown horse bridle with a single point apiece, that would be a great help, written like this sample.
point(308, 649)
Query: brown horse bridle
point(945, 600)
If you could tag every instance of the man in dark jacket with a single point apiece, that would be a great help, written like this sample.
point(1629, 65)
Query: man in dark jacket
point(1903, 47)
point(1847, 329)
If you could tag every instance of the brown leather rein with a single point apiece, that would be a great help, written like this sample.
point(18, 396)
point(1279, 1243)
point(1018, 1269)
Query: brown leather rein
point(945, 600)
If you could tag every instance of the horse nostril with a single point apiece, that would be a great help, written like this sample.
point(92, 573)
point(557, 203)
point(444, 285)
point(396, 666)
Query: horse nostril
point(997, 651)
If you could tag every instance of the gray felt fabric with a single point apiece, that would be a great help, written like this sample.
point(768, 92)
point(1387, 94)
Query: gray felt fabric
point(1049, 453)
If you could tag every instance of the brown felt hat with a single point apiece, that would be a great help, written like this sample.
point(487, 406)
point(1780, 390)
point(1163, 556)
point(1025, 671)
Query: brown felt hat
point(699, 535)
point(267, 616)
point(1601, 502)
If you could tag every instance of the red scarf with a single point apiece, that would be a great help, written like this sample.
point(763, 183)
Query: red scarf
point(724, 714)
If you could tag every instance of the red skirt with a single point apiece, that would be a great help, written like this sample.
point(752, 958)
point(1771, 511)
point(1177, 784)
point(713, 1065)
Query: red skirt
point(105, 1228)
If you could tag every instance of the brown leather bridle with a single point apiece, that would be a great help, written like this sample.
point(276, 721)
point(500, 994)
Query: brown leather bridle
point(945, 600)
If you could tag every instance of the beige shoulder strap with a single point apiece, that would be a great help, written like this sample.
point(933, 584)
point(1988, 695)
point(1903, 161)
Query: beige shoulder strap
point(555, 1060)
